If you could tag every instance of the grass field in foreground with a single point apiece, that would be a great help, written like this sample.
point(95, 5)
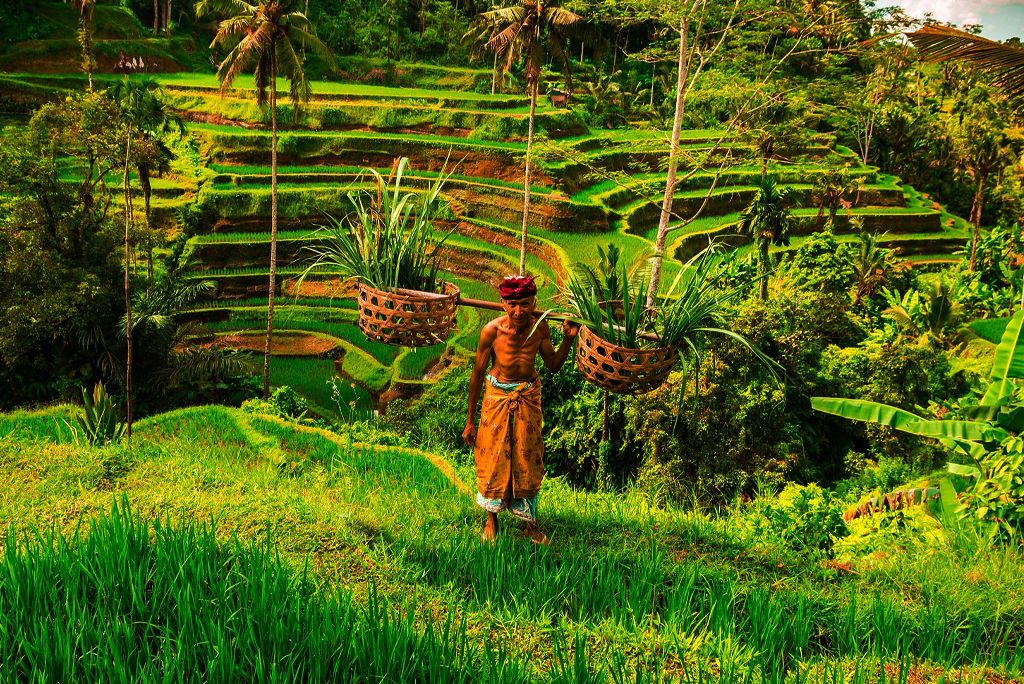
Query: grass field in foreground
point(362, 557)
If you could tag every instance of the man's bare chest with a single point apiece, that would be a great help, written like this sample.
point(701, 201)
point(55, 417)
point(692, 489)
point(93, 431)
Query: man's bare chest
point(517, 347)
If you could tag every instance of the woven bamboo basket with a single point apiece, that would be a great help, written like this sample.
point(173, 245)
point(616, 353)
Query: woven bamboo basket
point(620, 370)
point(407, 318)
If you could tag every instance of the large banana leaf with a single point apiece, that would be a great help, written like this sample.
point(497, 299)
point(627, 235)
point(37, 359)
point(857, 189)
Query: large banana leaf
point(949, 504)
point(867, 411)
point(954, 434)
point(1009, 362)
point(959, 430)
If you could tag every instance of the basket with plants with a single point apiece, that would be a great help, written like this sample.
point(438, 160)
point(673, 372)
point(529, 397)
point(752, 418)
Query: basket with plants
point(388, 245)
point(628, 347)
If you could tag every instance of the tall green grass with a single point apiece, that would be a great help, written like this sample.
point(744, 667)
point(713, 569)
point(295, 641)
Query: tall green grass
point(628, 591)
point(990, 329)
point(312, 379)
point(413, 364)
point(639, 590)
point(140, 602)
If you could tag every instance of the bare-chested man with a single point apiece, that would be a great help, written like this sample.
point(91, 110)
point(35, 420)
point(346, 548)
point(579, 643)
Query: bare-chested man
point(509, 450)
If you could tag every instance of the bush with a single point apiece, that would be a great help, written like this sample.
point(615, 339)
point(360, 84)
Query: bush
point(997, 499)
point(807, 520)
point(822, 264)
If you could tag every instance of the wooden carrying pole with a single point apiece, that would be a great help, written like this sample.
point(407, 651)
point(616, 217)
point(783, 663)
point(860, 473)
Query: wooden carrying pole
point(496, 306)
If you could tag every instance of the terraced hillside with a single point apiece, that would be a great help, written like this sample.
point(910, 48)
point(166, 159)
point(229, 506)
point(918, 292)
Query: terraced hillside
point(590, 188)
point(637, 592)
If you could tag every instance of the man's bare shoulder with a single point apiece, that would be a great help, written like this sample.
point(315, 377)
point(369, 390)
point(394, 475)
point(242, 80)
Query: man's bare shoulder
point(490, 331)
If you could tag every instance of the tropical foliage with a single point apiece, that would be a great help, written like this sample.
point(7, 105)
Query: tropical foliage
point(983, 432)
point(768, 221)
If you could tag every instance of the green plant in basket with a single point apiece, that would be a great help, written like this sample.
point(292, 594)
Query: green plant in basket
point(612, 304)
point(388, 241)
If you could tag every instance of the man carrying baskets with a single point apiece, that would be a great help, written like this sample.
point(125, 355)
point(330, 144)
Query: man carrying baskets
point(509, 449)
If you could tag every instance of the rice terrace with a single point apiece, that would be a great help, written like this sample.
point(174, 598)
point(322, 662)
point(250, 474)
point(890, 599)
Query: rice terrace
point(545, 341)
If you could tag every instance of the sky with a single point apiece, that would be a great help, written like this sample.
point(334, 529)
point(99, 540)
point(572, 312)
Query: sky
point(1002, 18)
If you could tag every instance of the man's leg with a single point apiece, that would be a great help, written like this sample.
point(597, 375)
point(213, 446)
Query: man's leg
point(490, 527)
point(493, 507)
point(526, 511)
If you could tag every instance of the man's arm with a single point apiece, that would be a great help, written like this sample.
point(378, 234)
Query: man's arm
point(555, 359)
point(476, 382)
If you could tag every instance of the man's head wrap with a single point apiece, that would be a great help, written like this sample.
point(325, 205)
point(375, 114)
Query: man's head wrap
point(517, 287)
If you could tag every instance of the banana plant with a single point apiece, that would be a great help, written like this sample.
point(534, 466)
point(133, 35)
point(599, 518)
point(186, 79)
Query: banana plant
point(978, 429)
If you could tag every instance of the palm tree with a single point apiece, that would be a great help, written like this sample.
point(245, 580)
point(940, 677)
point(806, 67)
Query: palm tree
point(130, 98)
point(534, 29)
point(768, 222)
point(1005, 63)
point(872, 267)
point(262, 37)
point(85, 11)
point(830, 189)
point(140, 103)
point(606, 93)
point(481, 30)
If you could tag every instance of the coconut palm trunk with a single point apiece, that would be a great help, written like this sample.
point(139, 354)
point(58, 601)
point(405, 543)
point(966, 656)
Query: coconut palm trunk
point(147, 192)
point(273, 221)
point(127, 290)
point(976, 218)
point(763, 270)
point(494, 75)
point(673, 161)
point(526, 185)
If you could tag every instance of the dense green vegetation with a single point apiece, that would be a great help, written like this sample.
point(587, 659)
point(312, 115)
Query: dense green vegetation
point(633, 587)
point(865, 209)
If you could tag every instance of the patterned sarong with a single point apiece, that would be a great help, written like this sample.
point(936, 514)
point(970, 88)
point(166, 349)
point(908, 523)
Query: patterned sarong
point(509, 450)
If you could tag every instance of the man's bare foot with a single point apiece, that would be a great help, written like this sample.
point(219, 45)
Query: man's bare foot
point(533, 533)
point(490, 528)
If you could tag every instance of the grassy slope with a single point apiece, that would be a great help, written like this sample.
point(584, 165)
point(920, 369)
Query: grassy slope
point(400, 522)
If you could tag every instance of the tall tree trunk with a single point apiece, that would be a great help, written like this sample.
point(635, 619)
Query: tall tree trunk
point(526, 183)
point(604, 419)
point(147, 192)
point(654, 73)
point(832, 209)
point(615, 52)
point(673, 161)
point(127, 291)
point(273, 220)
point(494, 76)
point(976, 218)
point(765, 242)
point(305, 13)
point(167, 17)
point(583, 44)
point(156, 17)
